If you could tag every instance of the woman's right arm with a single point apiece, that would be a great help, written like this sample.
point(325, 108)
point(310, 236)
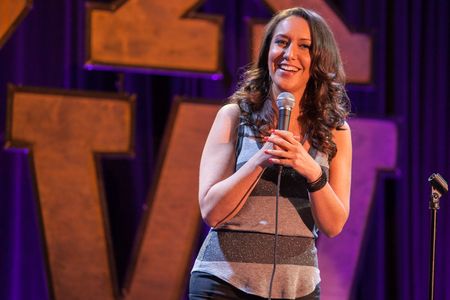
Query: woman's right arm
point(222, 193)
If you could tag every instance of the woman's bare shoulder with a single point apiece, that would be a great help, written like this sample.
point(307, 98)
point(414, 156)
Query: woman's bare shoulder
point(344, 126)
point(230, 110)
point(228, 116)
point(342, 131)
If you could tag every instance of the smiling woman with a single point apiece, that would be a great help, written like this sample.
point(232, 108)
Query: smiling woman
point(261, 245)
point(289, 57)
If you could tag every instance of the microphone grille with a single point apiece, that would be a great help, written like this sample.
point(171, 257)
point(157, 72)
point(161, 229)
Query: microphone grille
point(285, 100)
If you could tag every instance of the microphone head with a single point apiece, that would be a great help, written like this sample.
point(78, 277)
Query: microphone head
point(438, 182)
point(285, 100)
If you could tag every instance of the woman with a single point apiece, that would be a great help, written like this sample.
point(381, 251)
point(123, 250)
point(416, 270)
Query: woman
point(259, 246)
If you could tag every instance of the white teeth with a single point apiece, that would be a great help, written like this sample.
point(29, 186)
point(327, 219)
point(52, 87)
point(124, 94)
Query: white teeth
point(288, 68)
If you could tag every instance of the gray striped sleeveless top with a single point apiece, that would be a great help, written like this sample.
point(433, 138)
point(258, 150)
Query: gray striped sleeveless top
point(240, 251)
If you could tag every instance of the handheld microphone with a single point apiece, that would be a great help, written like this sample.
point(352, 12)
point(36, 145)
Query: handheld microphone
point(285, 103)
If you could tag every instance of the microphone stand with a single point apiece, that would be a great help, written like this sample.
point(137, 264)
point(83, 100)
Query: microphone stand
point(438, 188)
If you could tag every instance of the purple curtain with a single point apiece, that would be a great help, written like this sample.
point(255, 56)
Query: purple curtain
point(410, 86)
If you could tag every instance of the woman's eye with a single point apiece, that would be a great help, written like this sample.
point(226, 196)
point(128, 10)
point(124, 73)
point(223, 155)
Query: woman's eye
point(305, 46)
point(281, 43)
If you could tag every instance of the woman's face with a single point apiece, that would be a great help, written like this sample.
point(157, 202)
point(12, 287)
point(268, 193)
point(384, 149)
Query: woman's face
point(289, 56)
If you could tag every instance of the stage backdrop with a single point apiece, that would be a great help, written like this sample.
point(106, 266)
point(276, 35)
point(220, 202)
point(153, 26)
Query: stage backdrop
point(104, 109)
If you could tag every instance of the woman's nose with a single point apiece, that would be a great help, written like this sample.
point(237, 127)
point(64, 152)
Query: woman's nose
point(289, 52)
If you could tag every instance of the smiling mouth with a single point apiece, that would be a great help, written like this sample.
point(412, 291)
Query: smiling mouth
point(288, 68)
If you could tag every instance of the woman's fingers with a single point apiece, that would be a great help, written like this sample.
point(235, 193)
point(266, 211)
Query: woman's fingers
point(286, 140)
point(279, 161)
point(287, 149)
point(286, 135)
point(279, 141)
point(279, 153)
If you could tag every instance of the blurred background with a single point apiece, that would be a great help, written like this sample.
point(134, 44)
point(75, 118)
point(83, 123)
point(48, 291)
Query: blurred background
point(408, 87)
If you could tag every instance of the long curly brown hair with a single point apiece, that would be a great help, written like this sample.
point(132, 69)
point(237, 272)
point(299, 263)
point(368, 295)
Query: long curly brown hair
point(324, 105)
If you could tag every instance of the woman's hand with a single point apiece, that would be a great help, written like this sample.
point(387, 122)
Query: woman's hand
point(288, 151)
point(330, 204)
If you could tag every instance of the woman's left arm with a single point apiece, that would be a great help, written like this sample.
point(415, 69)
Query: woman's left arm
point(331, 204)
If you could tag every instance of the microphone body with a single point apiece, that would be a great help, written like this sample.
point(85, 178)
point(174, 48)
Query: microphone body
point(284, 116)
point(285, 103)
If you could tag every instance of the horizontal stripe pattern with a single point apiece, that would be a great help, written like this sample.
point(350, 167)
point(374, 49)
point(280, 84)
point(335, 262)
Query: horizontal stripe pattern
point(258, 215)
point(252, 247)
point(240, 251)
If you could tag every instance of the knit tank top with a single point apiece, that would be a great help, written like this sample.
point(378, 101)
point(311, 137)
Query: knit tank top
point(240, 251)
